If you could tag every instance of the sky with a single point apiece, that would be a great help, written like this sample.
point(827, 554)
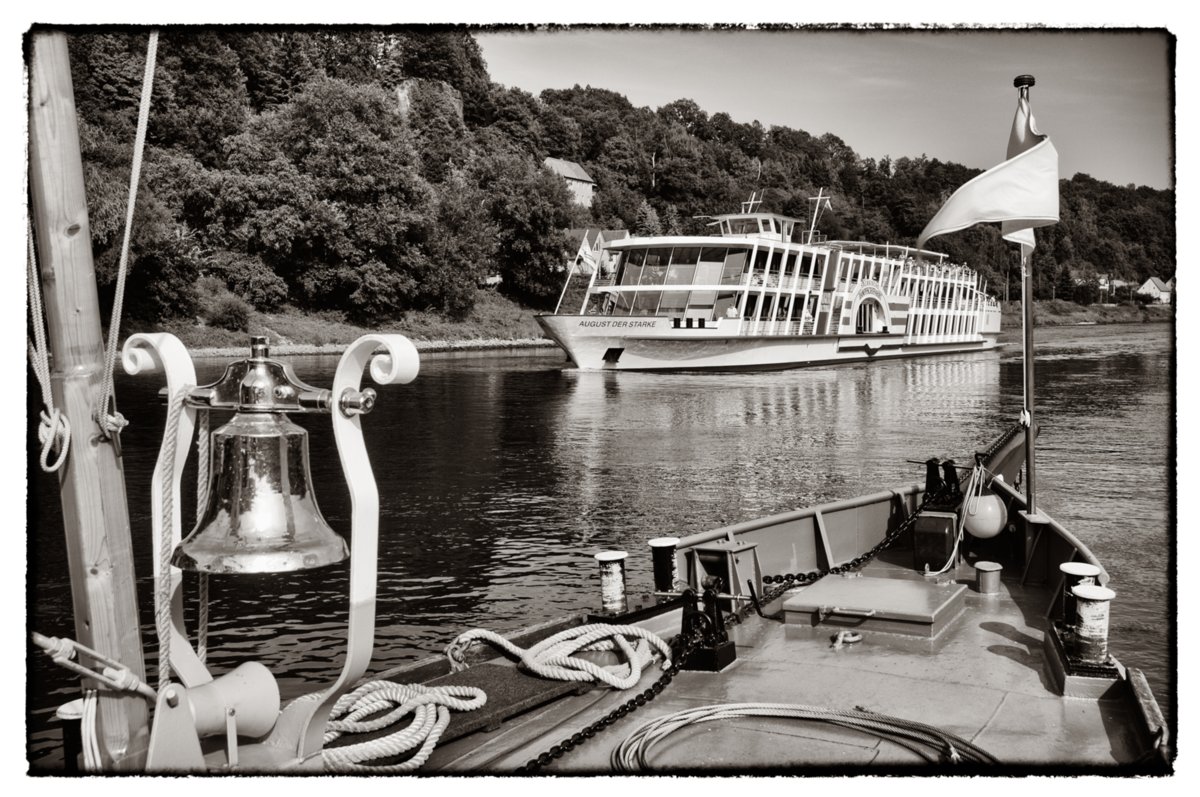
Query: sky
point(1103, 96)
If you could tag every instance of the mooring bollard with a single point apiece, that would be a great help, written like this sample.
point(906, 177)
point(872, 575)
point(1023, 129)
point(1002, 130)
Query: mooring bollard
point(1091, 622)
point(987, 577)
point(1074, 574)
point(666, 572)
point(612, 580)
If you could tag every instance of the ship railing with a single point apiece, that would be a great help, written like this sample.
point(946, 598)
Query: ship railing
point(757, 328)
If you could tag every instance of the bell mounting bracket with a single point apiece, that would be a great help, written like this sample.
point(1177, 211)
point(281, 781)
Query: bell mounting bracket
point(260, 384)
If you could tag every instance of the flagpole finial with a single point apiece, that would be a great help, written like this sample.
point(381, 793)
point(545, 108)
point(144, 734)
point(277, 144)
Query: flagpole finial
point(1023, 81)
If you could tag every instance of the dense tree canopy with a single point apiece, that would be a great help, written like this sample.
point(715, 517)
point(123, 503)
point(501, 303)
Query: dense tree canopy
point(374, 171)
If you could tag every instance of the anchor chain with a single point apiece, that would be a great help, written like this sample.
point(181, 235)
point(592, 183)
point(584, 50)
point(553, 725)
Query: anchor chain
point(682, 647)
point(791, 580)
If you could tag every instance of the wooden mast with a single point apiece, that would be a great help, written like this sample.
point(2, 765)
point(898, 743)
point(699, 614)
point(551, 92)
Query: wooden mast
point(92, 482)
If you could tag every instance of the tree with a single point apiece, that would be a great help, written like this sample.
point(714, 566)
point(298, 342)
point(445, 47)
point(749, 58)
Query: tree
point(647, 222)
point(531, 208)
point(325, 190)
point(199, 95)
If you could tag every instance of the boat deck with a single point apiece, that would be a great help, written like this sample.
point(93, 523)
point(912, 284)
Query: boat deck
point(982, 678)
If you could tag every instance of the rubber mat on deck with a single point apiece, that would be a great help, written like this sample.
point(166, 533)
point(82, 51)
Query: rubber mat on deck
point(510, 691)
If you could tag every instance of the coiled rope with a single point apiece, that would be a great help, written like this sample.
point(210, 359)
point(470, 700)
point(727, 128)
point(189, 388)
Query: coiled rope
point(633, 753)
point(554, 657)
point(430, 709)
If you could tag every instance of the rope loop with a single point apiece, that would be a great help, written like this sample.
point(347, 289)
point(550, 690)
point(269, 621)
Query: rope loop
point(554, 657)
point(54, 432)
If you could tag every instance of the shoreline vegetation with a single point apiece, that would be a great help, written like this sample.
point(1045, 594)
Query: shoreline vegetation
point(498, 323)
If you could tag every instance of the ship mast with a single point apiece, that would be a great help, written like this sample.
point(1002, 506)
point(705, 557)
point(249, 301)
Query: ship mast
point(822, 203)
point(1022, 84)
point(92, 481)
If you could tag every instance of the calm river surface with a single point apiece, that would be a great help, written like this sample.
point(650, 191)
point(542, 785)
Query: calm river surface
point(502, 474)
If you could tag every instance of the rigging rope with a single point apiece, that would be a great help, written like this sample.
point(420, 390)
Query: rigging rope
point(430, 709)
point(112, 422)
point(633, 753)
point(55, 429)
point(553, 657)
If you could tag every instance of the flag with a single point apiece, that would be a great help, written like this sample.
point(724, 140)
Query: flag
point(1021, 193)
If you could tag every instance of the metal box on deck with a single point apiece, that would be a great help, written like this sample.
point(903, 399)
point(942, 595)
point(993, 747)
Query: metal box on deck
point(933, 539)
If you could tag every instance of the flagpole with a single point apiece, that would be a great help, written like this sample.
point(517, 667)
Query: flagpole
point(1022, 84)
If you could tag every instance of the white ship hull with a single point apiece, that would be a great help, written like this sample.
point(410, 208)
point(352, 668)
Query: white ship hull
point(652, 344)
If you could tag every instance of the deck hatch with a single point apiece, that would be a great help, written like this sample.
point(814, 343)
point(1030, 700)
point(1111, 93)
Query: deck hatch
point(898, 606)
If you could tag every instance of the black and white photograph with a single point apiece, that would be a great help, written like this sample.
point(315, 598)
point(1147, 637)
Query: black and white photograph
point(567, 396)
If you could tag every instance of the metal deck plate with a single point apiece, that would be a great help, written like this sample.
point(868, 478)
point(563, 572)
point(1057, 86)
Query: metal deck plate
point(900, 606)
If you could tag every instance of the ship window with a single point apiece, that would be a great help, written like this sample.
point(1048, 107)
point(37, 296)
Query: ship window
point(658, 257)
point(632, 275)
point(636, 257)
point(713, 254)
point(685, 254)
point(735, 266)
point(673, 302)
point(726, 300)
point(646, 302)
point(708, 274)
point(743, 226)
point(653, 274)
point(680, 274)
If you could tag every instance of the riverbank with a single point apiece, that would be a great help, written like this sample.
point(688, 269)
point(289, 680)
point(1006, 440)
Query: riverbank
point(1056, 313)
point(499, 323)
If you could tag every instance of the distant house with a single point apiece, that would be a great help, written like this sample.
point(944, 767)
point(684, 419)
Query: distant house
point(590, 245)
point(1158, 290)
point(582, 186)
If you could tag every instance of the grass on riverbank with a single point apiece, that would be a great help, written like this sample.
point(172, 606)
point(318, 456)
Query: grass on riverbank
point(496, 321)
point(1059, 313)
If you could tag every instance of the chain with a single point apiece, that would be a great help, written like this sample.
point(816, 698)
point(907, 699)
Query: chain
point(682, 647)
point(791, 580)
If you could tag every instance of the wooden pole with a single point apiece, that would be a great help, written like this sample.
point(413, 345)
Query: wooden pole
point(92, 483)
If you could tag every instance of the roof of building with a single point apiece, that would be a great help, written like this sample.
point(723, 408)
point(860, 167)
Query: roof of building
point(594, 234)
point(568, 169)
point(1157, 283)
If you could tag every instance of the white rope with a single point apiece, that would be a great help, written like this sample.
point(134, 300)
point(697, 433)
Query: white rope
point(93, 761)
point(112, 422)
point(430, 709)
point(202, 488)
point(54, 429)
point(162, 590)
point(553, 657)
point(970, 505)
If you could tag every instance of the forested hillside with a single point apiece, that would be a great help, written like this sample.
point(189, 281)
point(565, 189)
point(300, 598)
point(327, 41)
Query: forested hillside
point(366, 173)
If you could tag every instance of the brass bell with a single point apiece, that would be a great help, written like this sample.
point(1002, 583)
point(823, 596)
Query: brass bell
point(261, 515)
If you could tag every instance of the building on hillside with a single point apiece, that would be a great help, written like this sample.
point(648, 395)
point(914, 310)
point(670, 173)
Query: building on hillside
point(1158, 290)
point(589, 251)
point(582, 186)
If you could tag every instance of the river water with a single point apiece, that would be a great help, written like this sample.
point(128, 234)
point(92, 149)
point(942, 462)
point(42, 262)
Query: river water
point(502, 474)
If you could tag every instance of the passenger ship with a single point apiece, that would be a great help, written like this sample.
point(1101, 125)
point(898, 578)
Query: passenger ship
point(768, 293)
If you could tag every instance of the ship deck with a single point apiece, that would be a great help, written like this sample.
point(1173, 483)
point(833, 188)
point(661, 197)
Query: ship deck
point(983, 678)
